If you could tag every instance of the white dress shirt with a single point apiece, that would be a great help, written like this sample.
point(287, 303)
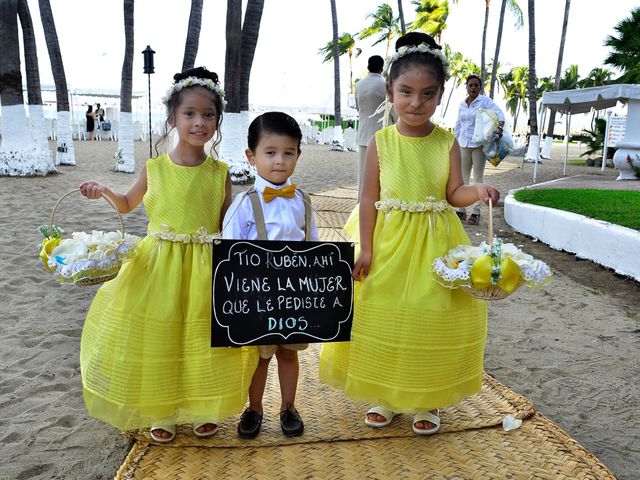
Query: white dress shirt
point(283, 217)
point(370, 93)
point(467, 119)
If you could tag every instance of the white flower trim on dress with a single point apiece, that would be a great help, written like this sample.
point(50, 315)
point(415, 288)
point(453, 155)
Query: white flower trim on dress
point(422, 48)
point(454, 268)
point(86, 256)
point(201, 236)
point(431, 205)
point(191, 82)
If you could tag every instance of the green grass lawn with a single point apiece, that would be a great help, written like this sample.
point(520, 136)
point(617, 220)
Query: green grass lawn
point(615, 206)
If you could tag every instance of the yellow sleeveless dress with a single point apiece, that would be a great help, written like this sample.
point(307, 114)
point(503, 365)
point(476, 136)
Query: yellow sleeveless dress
point(415, 345)
point(144, 355)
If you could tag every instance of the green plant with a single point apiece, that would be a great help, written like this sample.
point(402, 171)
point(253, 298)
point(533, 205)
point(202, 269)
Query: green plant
point(595, 141)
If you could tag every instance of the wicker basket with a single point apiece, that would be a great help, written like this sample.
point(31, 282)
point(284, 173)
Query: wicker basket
point(492, 292)
point(91, 271)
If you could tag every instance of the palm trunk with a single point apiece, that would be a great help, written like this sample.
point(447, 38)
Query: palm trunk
point(36, 111)
point(18, 157)
point(193, 35)
point(126, 159)
point(250, 33)
point(494, 70)
point(338, 142)
point(233, 131)
point(65, 151)
point(484, 45)
point(533, 152)
point(546, 151)
point(403, 27)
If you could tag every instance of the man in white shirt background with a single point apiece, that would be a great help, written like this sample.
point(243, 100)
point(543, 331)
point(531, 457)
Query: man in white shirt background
point(371, 91)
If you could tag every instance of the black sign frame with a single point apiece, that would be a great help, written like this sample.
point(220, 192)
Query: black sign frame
point(281, 292)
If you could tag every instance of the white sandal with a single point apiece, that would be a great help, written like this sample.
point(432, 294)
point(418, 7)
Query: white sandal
point(167, 428)
point(383, 412)
point(426, 417)
point(207, 433)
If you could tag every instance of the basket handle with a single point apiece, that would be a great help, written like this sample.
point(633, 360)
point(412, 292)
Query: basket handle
point(77, 190)
point(490, 222)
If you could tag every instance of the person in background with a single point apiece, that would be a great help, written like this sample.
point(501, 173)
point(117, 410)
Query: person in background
point(91, 122)
point(471, 153)
point(99, 113)
point(370, 93)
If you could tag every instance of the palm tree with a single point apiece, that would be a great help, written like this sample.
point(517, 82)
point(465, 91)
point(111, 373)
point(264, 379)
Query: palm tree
point(193, 35)
point(546, 150)
point(338, 142)
point(534, 140)
point(403, 27)
point(459, 69)
point(383, 23)
point(519, 22)
point(250, 33)
point(65, 151)
point(431, 17)
point(597, 77)
point(125, 157)
point(17, 155)
point(346, 44)
point(514, 85)
point(233, 138)
point(36, 111)
point(625, 53)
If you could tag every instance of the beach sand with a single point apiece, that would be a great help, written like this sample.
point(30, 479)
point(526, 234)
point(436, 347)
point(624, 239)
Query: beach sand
point(572, 348)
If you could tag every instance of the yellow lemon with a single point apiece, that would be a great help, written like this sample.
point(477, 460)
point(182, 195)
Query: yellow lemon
point(510, 275)
point(481, 272)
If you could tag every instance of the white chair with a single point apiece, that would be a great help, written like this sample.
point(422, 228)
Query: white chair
point(349, 135)
point(138, 131)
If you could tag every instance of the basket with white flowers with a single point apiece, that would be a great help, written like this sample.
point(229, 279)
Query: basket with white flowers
point(85, 258)
point(490, 271)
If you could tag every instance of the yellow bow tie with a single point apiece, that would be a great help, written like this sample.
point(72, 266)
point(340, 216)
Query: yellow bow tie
point(287, 192)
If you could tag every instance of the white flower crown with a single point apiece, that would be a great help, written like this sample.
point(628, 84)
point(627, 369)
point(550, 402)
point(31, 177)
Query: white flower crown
point(193, 81)
point(422, 48)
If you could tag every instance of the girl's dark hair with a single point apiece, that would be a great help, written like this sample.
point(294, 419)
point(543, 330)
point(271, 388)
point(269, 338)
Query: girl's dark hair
point(413, 39)
point(174, 100)
point(273, 122)
point(471, 76)
point(89, 108)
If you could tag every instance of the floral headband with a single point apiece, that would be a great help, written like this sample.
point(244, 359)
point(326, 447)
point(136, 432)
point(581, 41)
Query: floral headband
point(191, 82)
point(422, 48)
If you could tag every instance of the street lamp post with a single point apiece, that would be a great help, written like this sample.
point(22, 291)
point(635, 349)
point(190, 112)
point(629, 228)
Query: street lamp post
point(149, 69)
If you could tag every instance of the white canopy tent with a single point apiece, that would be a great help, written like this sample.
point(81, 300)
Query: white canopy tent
point(584, 99)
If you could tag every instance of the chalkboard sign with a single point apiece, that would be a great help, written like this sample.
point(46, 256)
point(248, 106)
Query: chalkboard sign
point(279, 292)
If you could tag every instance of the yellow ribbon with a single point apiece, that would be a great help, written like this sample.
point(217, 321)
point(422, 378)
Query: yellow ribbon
point(509, 273)
point(287, 192)
point(47, 247)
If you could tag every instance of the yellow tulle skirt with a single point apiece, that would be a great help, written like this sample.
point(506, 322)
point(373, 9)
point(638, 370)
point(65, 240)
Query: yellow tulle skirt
point(145, 353)
point(415, 345)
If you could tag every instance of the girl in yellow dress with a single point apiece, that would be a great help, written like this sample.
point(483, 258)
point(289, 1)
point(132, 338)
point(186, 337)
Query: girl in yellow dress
point(416, 346)
point(145, 352)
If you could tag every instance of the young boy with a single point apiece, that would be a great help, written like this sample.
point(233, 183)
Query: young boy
point(273, 209)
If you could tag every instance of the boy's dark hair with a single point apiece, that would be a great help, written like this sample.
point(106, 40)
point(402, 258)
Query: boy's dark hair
point(375, 64)
point(273, 122)
point(174, 100)
point(413, 39)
